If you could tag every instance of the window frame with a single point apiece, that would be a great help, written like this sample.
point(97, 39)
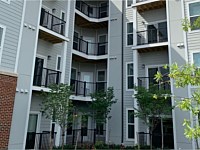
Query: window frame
point(57, 63)
point(127, 4)
point(128, 34)
point(97, 79)
point(188, 15)
point(64, 28)
point(127, 63)
point(127, 124)
point(2, 40)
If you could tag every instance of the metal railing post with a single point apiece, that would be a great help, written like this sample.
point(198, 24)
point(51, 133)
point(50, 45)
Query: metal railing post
point(40, 141)
point(46, 79)
point(76, 87)
point(84, 89)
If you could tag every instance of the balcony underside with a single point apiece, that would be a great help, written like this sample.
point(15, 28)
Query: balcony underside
point(82, 22)
point(146, 6)
point(50, 37)
point(152, 49)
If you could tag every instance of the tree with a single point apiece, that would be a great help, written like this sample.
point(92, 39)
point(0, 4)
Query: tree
point(57, 106)
point(101, 104)
point(184, 76)
point(150, 107)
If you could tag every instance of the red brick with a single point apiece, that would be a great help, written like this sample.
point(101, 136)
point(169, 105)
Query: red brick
point(7, 96)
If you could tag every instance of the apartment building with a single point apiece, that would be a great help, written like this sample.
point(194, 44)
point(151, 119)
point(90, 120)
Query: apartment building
point(91, 45)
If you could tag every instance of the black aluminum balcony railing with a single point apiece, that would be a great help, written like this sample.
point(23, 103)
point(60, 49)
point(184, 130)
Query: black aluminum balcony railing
point(39, 140)
point(92, 11)
point(86, 88)
point(152, 36)
point(52, 22)
point(84, 135)
point(90, 48)
point(150, 82)
point(44, 77)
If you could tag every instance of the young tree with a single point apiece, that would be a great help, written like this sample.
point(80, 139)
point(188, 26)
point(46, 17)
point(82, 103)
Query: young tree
point(150, 107)
point(56, 105)
point(101, 104)
point(184, 76)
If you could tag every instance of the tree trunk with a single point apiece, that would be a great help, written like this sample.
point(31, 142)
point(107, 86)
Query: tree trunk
point(162, 133)
point(63, 135)
point(151, 139)
point(197, 143)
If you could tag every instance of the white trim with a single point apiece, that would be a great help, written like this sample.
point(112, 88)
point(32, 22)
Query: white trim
point(32, 72)
point(129, 139)
point(127, 63)
point(143, 2)
point(91, 19)
point(108, 67)
point(188, 15)
point(151, 45)
point(57, 62)
point(20, 37)
point(6, 1)
point(80, 98)
point(89, 56)
point(171, 80)
point(54, 33)
point(2, 41)
point(128, 34)
point(73, 26)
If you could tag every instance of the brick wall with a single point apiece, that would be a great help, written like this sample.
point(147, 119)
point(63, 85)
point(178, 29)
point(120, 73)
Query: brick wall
point(7, 96)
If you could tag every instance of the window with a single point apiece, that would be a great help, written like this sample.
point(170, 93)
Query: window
point(129, 31)
point(100, 129)
point(101, 80)
point(129, 3)
point(130, 124)
point(58, 66)
point(130, 80)
point(196, 59)
point(62, 29)
point(2, 35)
point(194, 13)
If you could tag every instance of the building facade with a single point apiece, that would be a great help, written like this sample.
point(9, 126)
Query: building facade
point(91, 45)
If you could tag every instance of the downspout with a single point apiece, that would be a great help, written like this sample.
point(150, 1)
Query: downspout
point(122, 106)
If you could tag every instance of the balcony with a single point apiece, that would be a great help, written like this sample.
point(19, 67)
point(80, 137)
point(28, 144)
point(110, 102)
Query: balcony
point(82, 88)
point(92, 11)
point(44, 77)
point(52, 28)
point(39, 140)
point(88, 48)
point(152, 39)
point(146, 5)
point(84, 135)
point(148, 82)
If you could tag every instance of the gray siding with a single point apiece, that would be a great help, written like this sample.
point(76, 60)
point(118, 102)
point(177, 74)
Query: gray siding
point(150, 17)
point(11, 16)
point(36, 102)
point(48, 49)
point(89, 67)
